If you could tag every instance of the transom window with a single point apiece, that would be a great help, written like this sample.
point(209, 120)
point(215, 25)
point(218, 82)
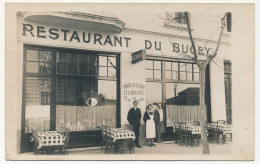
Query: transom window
point(153, 69)
point(174, 70)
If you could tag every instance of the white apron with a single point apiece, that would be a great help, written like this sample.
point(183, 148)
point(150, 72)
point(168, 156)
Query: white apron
point(150, 127)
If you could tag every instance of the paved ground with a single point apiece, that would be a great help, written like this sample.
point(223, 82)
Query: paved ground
point(168, 147)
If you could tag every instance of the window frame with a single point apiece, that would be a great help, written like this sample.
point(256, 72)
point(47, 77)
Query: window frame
point(53, 76)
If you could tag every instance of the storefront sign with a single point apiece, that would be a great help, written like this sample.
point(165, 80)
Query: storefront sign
point(41, 32)
point(138, 56)
point(133, 92)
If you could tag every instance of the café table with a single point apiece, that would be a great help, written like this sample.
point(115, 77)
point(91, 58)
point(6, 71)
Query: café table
point(119, 137)
point(49, 140)
point(223, 130)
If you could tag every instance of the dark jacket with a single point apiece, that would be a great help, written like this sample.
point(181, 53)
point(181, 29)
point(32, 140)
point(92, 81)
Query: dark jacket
point(146, 116)
point(157, 116)
point(134, 117)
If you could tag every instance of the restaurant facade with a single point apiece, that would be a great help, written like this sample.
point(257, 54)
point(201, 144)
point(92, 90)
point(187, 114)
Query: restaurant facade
point(83, 70)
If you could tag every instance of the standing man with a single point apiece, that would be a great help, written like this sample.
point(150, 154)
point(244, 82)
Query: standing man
point(134, 117)
point(159, 122)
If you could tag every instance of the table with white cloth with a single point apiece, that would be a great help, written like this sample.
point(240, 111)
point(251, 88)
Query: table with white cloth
point(223, 129)
point(120, 136)
point(49, 139)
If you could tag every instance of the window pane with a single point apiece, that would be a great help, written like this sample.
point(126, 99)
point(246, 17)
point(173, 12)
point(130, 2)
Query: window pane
point(185, 98)
point(175, 66)
point(153, 92)
point(149, 64)
point(168, 66)
point(93, 70)
point(42, 62)
point(32, 55)
point(182, 94)
point(175, 75)
point(83, 69)
point(149, 73)
point(83, 59)
point(82, 117)
point(102, 71)
point(168, 74)
point(72, 69)
point(38, 100)
point(112, 61)
point(111, 72)
point(182, 75)
point(157, 74)
point(72, 58)
point(61, 68)
point(195, 68)
point(102, 61)
point(189, 67)
point(182, 67)
point(32, 67)
point(93, 60)
point(157, 65)
point(189, 75)
point(61, 57)
point(196, 77)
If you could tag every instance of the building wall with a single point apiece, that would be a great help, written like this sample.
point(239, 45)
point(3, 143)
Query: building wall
point(129, 73)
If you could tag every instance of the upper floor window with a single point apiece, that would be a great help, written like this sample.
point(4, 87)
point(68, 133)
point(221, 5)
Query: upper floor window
point(176, 20)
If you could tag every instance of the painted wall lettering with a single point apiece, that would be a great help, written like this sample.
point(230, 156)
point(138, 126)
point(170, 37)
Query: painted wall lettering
point(133, 92)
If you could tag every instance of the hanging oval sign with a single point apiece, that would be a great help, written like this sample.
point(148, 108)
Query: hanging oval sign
point(91, 102)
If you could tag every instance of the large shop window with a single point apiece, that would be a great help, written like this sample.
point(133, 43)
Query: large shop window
point(153, 92)
point(38, 99)
point(71, 108)
point(75, 77)
point(182, 94)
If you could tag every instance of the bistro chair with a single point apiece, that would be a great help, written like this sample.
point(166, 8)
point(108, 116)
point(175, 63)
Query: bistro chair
point(129, 143)
point(219, 132)
point(176, 129)
point(104, 136)
point(129, 127)
point(185, 135)
point(196, 123)
point(196, 137)
point(109, 142)
point(34, 138)
point(65, 146)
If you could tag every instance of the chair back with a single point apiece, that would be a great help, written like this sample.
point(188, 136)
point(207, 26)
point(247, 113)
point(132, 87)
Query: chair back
point(67, 136)
point(176, 126)
point(221, 122)
point(182, 125)
point(196, 123)
point(62, 130)
point(129, 127)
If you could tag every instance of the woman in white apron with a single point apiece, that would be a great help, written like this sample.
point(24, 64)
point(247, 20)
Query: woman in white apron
point(149, 125)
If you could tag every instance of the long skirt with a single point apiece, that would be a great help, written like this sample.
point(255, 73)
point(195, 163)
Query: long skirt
point(150, 129)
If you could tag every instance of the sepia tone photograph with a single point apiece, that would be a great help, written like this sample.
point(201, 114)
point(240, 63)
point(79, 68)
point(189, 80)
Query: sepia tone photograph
point(129, 81)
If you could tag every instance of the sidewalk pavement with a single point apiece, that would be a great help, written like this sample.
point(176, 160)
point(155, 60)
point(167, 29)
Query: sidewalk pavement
point(167, 147)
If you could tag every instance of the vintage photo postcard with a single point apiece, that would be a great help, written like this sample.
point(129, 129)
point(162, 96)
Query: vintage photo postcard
point(129, 81)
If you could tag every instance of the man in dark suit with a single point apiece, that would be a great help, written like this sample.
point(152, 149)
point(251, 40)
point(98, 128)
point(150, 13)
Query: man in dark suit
point(134, 117)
